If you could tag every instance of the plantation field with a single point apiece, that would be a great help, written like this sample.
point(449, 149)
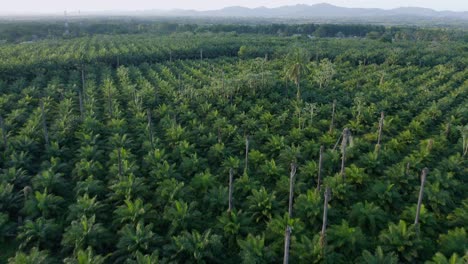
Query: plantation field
point(233, 148)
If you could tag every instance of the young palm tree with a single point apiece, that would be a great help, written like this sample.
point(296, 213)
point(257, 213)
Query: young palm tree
point(85, 257)
point(134, 238)
point(379, 257)
point(33, 257)
point(38, 232)
point(85, 232)
point(253, 250)
point(196, 247)
point(402, 239)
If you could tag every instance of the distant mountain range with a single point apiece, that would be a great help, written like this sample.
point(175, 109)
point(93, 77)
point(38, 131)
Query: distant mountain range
point(321, 13)
point(313, 11)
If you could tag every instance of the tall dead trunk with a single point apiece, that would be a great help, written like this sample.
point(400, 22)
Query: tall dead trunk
point(381, 123)
point(447, 130)
point(80, 99)
point(180, 82)
point(421, 192)
point(201, 54)
point(333, 117)
point(150, 128)
point(109, 102)
point(298, 92)
point(222, 75)
point(287, 242)
point(344, 143)
point(44, 124)
point(119, 160)
point(231, 176)
point(319, 177)
point(83, 81)
point(4, 133)
point(327, 196)
point(407, 168)
point(379, 138)
point(246, 166)
point(291, 188)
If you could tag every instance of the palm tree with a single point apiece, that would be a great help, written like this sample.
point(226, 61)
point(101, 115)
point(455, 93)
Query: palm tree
point(181, 215)
point(324, 73)
point(85, 257)
point(38, 232)
point(135, 238)
point(455, 241)
point(379, 257)
point(309, 207)
point(401, 239)
point(367, 216)
point(197, 247)
point(253, 250)
point(297, 59)
point(133, 212)
point(34, 257)
point(141, 258)
point(85, 232)
point(260, 204)
point(85, 205)
point(43, 203)
point(439, 258)
point(345, 239)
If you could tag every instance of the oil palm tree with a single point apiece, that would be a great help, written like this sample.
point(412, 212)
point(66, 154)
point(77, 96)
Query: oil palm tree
point(196, 247)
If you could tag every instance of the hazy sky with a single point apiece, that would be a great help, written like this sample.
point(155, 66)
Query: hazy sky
point(47, 6)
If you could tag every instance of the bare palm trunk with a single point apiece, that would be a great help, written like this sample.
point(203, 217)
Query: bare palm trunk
point(119, 160)
point(344, 143)
point(327, 196)
point(83, 80)
point(447, 130)
point(421, 192)
point(381, 123)
point(231, 176)
point(109, 99)
point(291, 188)
point(287, 242)
point(333, 117)
point(298, 92)
point(319, 177)
point(407, 168)
point(80, 99)
point(150, 128)
point(246, 166)
point(4, 133)
point(44, 124)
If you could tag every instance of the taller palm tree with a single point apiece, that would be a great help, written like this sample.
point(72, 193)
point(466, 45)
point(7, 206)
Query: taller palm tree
point(296, 67)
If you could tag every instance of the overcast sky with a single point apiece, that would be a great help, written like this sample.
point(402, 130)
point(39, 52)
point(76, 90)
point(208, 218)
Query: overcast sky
point(48, 6)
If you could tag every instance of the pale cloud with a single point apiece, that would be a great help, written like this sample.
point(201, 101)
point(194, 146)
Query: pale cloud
point(47, 6)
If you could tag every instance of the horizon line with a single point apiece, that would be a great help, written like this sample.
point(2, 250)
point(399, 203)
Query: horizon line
point(96, 11)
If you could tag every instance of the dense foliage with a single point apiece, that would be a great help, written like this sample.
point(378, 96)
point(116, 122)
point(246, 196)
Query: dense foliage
point(66, 28)
point(120, 149)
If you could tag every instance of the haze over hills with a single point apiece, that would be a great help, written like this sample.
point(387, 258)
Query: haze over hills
point(317, 10)
point(318, 13)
